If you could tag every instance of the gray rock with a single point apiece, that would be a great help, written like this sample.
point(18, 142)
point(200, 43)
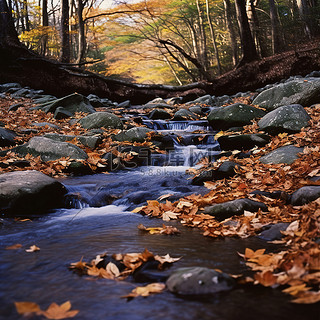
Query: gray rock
point(95, 101)
point(125, 104)
point(226, 170)
point(49, 149)
point(243, 141)
point(138, 134)
point(274, 232)
point(207, 99)
point(15, 107)
point(199, 281)
point(287, 154)
point(7, 138)
point(290, 119)
point(23, 92)
point(197, 110)
point(305, 195)
point(88, 141)
point(300, 91)
point(6, 86)
point(43, 124)
point(99, 120)
point(222, 211)
point(73, 103)
point(159, 114)
point(62, 113)
point(29, 192)
point(235, 115)
point(184, 114)
point(45, 99)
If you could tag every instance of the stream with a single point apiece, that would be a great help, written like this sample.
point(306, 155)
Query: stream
point(100, 221)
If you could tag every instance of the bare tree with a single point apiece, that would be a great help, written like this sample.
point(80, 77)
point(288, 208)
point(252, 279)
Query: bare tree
point(278, 44)
point(65, 36)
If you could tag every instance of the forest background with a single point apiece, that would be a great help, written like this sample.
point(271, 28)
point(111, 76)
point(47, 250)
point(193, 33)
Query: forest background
point(172, 42)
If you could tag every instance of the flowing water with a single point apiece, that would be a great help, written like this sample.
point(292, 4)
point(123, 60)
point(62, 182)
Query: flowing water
point(98, 221)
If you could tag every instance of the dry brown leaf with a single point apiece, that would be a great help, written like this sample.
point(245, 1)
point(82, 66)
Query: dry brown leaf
point(151, 288)
point(308, 298)
point(57, 312)
point(26, 307)
point(14, 246)
point(168, 215)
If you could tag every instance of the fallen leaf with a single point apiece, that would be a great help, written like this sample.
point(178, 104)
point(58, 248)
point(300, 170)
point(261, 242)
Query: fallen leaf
point(308, 298)
point(26, 307)
point(14, 246)
point(267, 279)
point(63, 311)
point(166, 259)
point(168, 215)
point(151, 288)
point(33, 248)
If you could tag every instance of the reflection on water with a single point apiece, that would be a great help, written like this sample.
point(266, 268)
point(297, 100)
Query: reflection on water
point(67, 235)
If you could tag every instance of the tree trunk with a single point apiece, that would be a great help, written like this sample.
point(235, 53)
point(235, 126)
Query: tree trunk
point(277, 36)
point(45, 24)
point(249, 52)
point(232, 33)
point(65, 36)
point(255, 27)
point(8, 33)
point(213, 38)
point(82, 36)
point(26, 15)
point(308, 20)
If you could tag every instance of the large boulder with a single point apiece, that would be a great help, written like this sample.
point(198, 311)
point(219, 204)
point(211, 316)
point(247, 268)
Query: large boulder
point(299, 91)
point(286, 154)
point(290, 119)
point(138, 134)
point(236, 207)
point(49, 149)
point(184, 114)
point(99, 120)
point(159, 114)
point(305, 195)
point(243, 141)
point(235, 115)
point(7, 137)
point(199, 281)
point(73, 103)
point(29, 193)
point(88, 141)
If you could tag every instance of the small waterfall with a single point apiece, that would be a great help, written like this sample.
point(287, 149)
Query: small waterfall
point(189, 126)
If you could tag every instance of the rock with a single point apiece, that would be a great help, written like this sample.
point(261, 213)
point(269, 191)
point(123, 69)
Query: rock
point(7, 138)
point(274, 232)
point(88, 141)
point(62, 113)
point(226, 170)
point(137, 134)
point(222, 211)
point(6, 86)
point(290, 119)
point(243, 141)
point(95, 101)
point(23, 92)
point(184, 114)
point(199, 281)
point(305, 195)
point(125, 104)
point(287, 154)
point(43, 124)
point(99, 120)
point(49, 149)
point(44, 99)
point(197, 110)
point(15, 107)
point(159, 114)
point(207, 99)
point(300, 91)
point(29, 193)
point(204, 176)
point(234, 115)
point(73, 103)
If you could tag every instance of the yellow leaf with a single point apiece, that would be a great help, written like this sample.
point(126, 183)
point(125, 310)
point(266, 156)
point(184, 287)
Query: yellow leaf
point(308, 298)
point(33, 249)
point(169, 215)
point(146, 291)
point(26, 307)
point(57, 312)
point(14, 246)
point(138, 209)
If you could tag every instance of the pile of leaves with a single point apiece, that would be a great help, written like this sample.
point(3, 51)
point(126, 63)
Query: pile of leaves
point(121, 266)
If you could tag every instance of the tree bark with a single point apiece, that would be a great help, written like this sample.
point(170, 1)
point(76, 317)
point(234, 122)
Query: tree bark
point(65, 36)
point(213, 38)
point(249, 52)
point(45, 24)
point(81, 33)
point(8, 33)
point(232, 33)
point(277, 36)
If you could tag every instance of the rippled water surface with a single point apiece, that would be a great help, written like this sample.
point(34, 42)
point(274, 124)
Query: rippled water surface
point(66, 235)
